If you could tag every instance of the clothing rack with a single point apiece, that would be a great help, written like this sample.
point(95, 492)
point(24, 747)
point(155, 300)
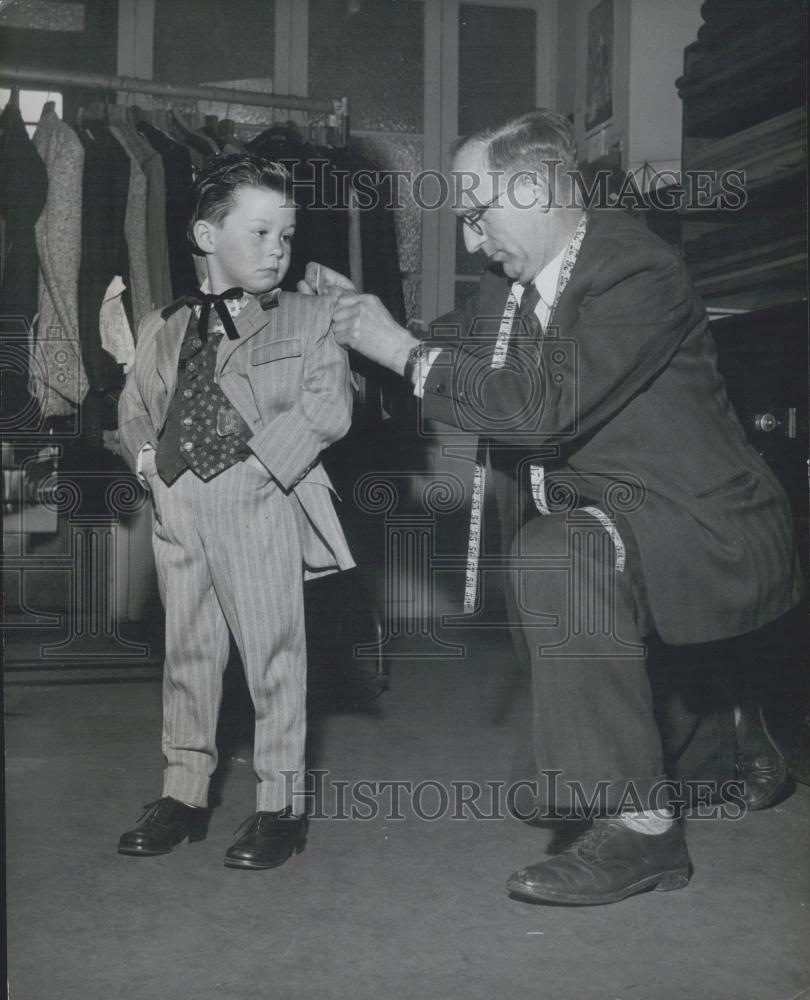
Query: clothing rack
point(336, 110)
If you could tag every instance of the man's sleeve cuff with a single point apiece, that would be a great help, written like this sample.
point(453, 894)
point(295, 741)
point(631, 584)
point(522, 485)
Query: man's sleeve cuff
point(422, 371)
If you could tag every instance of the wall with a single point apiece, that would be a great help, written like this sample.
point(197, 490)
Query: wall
point(649, 39)
point(659, 32)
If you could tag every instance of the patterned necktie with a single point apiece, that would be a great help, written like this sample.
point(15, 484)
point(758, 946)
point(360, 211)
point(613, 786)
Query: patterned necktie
point(530, 326)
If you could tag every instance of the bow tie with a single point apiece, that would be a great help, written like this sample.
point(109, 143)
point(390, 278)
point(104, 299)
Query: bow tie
point(207, 302)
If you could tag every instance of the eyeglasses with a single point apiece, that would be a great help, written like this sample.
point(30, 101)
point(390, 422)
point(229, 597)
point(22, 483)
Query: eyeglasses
point(472, 220)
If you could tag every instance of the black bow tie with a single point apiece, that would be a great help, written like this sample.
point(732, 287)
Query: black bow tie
point(206, 302)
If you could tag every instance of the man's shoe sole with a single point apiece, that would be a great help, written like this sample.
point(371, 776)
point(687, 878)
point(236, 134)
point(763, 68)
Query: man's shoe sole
point(660, 882)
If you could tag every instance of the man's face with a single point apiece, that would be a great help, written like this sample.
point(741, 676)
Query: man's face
point(251, 248)
point(514, 228)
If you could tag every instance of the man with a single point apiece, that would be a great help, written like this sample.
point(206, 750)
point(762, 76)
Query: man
point(631, 504)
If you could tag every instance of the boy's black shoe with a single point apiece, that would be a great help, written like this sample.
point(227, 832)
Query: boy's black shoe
point(269, 839)
point(164, 824)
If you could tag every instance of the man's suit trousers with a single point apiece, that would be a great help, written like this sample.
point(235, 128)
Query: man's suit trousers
point(228, 556)
point(579, 616)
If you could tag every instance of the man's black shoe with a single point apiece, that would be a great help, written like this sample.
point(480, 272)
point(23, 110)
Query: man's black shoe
point(269, 839)
point(761, 766)
point(605, 864)
point(164, 824)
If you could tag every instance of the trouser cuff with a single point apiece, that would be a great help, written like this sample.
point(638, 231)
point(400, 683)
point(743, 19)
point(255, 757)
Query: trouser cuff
point(185, 786)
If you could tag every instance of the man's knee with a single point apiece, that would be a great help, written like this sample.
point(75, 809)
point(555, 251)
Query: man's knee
point(542, 536)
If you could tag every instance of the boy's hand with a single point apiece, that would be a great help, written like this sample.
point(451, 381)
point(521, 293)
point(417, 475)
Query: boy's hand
point(146, 464)
point(320, 280)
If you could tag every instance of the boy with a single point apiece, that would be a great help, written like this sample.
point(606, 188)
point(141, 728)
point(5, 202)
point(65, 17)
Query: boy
point(234, 393)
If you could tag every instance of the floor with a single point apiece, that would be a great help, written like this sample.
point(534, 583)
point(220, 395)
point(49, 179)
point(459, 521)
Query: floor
point(376, 907)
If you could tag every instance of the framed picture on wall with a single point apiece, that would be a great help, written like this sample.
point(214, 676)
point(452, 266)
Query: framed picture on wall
point(599, 76)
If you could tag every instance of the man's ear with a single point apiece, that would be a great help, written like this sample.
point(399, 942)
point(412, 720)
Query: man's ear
point(541, 192)
point(205, 235)
point(529, 189)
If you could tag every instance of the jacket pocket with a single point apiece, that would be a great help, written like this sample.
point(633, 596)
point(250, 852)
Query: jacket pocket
point(276, 350)
point(727, 486)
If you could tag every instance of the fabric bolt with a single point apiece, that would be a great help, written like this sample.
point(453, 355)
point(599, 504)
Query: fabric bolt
point(228, 556)
point(135, 225)
point(58, 379)
point(116, 333)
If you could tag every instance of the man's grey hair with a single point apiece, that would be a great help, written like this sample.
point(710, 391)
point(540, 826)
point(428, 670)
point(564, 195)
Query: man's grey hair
point(540, 141)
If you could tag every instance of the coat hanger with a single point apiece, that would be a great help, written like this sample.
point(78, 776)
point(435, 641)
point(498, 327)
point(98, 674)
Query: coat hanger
point(94, 110)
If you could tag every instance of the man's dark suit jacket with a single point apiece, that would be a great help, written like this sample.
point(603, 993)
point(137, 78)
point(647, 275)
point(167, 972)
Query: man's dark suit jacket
point(626, 390)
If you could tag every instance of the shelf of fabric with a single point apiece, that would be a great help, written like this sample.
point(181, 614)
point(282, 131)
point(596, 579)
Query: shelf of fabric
point(768, 153)
point(728, 87)
point(757, 276)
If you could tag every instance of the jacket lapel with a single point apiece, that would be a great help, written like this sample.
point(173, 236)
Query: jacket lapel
point(169, 342)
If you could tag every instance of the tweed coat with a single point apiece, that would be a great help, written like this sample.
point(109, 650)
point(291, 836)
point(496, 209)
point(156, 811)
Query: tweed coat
point(57, 372)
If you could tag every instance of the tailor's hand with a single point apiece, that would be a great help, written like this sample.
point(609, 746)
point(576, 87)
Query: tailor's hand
point(320, 280)
point(363, 323)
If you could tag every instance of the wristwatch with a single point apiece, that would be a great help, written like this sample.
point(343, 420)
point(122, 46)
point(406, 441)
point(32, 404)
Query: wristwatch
point(414, 360)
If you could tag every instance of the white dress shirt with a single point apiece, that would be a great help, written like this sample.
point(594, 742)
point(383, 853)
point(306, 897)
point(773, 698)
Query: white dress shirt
point(546, 283)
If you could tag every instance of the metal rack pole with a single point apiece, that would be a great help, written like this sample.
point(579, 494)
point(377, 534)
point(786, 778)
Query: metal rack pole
point(132, 84)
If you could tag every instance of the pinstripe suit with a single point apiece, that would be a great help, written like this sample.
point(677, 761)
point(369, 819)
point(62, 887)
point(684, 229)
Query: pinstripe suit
point(232, 553)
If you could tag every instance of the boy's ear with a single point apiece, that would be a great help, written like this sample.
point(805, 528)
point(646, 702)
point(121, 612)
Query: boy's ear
point(205, 235)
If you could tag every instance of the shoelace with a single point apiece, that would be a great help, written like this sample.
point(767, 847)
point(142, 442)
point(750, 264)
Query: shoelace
point(148, 807)
point(257, 817)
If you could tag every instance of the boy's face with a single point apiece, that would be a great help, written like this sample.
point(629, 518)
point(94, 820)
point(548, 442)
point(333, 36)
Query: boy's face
point(251, 248)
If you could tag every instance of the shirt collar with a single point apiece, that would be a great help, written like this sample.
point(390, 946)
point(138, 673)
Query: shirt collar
point(547, 280)
point(234, 306)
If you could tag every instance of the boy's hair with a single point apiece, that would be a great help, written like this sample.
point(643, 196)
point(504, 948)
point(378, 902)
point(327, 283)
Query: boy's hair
point(216, 185)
